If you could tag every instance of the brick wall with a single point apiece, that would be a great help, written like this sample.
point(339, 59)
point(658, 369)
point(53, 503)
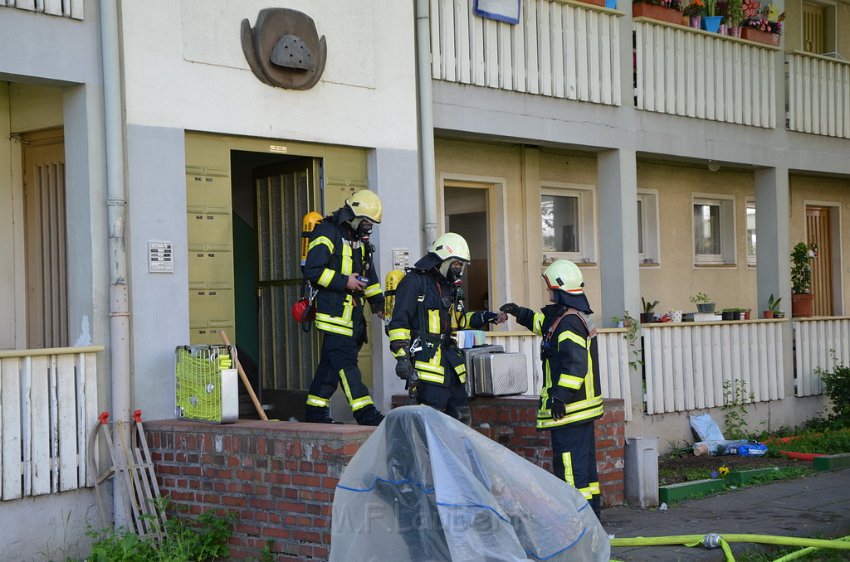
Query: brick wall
point(279, 477)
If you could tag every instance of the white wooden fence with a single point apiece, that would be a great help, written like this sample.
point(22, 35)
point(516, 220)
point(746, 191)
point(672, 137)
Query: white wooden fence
point(48, 406)
point(818, 95)
point(68, 8)
point(686, 364)
point(561, 49)
point(613, 359)
point(815, 341)
point(692, 73)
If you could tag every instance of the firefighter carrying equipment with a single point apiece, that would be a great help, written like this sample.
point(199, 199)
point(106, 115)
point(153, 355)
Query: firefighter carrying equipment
point(302, 310)
point(426, 487)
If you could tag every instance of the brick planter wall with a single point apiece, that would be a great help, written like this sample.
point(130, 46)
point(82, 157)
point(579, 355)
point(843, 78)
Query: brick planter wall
point(279, 477)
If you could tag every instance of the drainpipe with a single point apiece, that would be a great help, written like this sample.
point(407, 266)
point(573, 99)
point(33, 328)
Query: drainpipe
point(426, 122)
point(119, 311)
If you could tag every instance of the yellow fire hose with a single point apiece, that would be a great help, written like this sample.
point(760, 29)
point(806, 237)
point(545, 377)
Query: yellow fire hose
point(714, 540)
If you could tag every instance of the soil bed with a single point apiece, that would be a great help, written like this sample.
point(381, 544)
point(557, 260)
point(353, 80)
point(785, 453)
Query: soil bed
point(673, 469)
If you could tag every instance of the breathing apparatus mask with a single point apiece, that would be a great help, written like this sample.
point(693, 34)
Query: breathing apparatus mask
point(453, 271)
point(362, 228)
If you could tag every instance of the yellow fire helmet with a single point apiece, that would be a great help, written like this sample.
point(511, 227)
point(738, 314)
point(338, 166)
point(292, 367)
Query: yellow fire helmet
point(365, 204)
point(564, 275)
point(450, 246)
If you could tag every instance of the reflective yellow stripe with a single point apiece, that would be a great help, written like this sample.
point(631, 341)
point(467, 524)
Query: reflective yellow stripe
point(570, 381)
point(345, 388)
point(372, 290)
point(537, 323)
point(427, 367)
point(573, 337)
point(345, 267)
point(588, 495)
point(547, 422)
point(567, 459)
point(348, 310)
point(594, 488)
point(434, 321)
point(428, 377)
point(335, 320)
point(361, 403)
point(313, 400)
point(326, 277)
point(399, 334)
point(334, 328)
point(461, 373)
point(321, 240)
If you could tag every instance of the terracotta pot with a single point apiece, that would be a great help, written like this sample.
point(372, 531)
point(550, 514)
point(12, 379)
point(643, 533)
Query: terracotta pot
point(646, 10)
point(767, 314)
point(802, 306)
point(760, 36)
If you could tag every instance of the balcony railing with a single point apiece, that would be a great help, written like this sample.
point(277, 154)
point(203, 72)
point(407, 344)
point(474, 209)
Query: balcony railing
point(687, 364)
point(818, 344)
point(559, 48)
point(48, 406)
point(818, 95)
point(692, 73)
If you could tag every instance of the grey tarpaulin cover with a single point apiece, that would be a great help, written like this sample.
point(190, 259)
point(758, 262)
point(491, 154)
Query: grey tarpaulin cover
point(426, 487)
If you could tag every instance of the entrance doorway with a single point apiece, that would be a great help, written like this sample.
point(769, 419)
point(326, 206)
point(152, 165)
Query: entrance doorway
point(466, 213)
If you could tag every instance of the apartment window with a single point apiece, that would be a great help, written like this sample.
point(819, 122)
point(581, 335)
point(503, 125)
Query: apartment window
point(751, 233)
point(567, 223)
point(647, 219)
point(714, 231)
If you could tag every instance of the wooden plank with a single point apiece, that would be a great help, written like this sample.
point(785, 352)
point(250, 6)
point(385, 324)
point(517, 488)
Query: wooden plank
point(830, 99)
point(476, 46)
point(505, 64)
point(491, 54)
point(69, 456)
point(518, 55)
point(672, 388)
point(794, 91)
point(593, 62)
point(640, 66)
point(823, 114)
point(681, 353)
point(77, 9)
point(557, 21)
point(582, 62)
point(659, 53)
point(679, 67)
point(10, 429)
point(436, 40)
point(710, 78)
point(738, 79)
point(570, 73)
point(770, 80)
point(605, 71)
point(689, 74)
point(448, 39)
point(461, 18)
point(544, 49)
point(53, 7)
point(654, 378)
point(845, 88)
point(532, 71)
point(616, 85)
point(39, 392)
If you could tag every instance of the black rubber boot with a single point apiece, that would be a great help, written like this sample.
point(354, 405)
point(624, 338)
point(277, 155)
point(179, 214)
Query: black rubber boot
point(369, 416)
point(314, 414)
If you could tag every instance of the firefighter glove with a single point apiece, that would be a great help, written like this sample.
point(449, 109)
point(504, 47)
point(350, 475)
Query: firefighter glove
point(510, 308)
point(558, 398)
point(399, 348)
point(404, 368)
point(487, 317)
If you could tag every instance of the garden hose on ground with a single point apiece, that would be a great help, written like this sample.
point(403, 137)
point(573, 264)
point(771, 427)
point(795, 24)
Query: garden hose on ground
point(713, 540)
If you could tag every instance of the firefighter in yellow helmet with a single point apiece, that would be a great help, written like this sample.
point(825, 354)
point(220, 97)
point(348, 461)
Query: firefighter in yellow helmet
point(428, 310)
point(339, 264)
point(571, 396)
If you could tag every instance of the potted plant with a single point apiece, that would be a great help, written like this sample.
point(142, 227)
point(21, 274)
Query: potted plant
point(711, 19)
point(663, 10)
point(763, 26)
point(772, 307)
point(729, 314)
point(705, 305)
point(694, 11)
point(734, 17)
point(648, 311)
point(802, 299)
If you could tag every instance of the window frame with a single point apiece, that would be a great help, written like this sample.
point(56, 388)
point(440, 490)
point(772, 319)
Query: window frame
point(726, 215)
point(587, 244)
point(751, 257)
point(649, 228)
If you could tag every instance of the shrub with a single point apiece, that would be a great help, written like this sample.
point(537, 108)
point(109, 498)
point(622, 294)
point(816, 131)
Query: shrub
point(837, 382)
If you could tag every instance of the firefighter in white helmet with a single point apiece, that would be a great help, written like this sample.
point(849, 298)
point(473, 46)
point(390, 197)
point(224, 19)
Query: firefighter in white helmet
point(571, 396)
point(429, 309)
point(339, 264)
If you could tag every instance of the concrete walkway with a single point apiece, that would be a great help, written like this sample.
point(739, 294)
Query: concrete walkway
point(817, 506)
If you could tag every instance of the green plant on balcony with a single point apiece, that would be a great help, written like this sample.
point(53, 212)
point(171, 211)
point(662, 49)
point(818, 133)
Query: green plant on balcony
point(734, 13)
point(801, 268)
point(694, 8)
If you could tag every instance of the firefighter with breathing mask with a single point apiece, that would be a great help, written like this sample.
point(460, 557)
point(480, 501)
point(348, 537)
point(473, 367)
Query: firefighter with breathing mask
point(339, 265)
point(428, 310)
point(571, 397)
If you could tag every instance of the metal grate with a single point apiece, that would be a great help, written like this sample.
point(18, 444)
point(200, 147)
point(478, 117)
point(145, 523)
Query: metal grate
point(199, 381)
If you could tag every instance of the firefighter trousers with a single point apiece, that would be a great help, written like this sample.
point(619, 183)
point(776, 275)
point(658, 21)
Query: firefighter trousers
point(338, 366)
point(574, 460)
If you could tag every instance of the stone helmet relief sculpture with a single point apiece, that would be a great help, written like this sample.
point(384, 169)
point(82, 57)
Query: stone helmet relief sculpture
point(284, 48)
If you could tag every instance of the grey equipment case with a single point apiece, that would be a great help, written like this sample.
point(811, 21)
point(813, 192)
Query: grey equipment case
point(500, 374)
point(471, 353)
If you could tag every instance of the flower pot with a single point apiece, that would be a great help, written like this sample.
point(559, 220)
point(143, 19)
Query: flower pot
point(711, 23)
point(727, 315)
point(646, 10)
point(612, 4)
point(647, 317)
point(767, 314)
point(734, 31)
point(695, 22)
point(759, 36)
point(705, 307)
point(802, 306)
